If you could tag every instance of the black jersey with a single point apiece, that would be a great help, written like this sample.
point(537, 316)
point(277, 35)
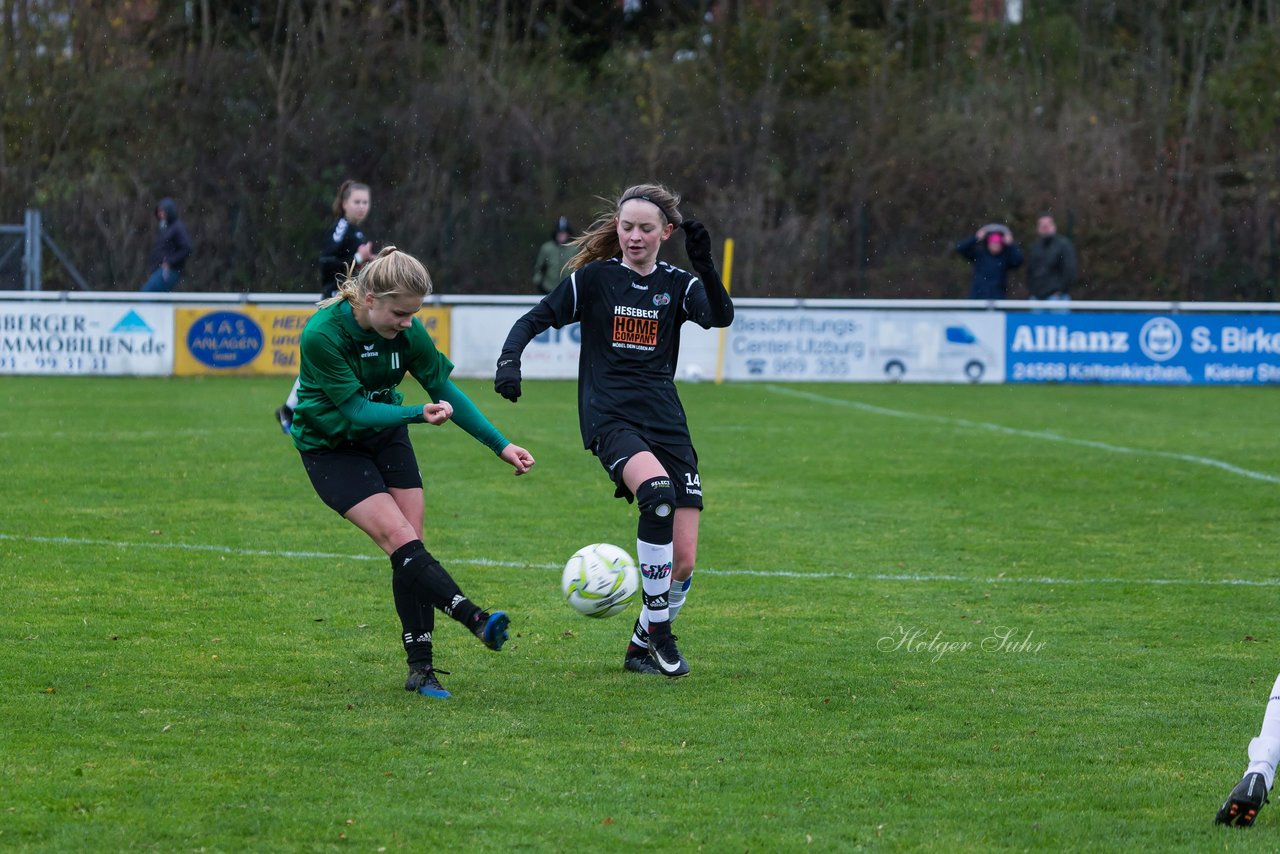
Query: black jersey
point(339, 251)
point(630, 344)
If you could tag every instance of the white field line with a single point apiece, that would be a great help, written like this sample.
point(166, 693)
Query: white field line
point(1029, 434)
point(923, 578)
point(137, 435)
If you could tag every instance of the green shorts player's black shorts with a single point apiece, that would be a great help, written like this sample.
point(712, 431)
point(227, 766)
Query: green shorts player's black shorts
point(348, 474)
point(614, 448)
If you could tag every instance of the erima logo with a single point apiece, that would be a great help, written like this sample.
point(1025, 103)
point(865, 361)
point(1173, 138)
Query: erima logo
point(1060, 339)
point(369, 352)
point(616, 596)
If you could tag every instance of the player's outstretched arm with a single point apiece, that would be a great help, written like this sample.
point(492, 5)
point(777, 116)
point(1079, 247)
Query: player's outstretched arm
point(518, 458)
point(506, 379)
point(697, 245)
point(437, 413)
point(556, 309)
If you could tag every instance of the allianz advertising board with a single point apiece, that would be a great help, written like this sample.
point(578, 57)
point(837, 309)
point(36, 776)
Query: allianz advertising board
point(1167, 349)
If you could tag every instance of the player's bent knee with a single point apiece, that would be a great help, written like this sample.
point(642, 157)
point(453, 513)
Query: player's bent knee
point(656, 498)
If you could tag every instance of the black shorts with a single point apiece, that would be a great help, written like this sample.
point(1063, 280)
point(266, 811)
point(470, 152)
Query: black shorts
point(614, 448)
point(348, 474)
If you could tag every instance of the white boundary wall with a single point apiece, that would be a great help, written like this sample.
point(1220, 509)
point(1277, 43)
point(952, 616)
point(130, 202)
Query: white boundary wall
point(113, 333)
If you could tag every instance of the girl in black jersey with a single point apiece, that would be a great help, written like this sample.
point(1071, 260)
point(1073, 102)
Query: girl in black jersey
point(631, 307)
point(345, 244)
point(351, 431)
point(345, 250)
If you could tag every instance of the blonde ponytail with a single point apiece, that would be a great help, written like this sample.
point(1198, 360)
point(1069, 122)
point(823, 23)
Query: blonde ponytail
point(391, 273)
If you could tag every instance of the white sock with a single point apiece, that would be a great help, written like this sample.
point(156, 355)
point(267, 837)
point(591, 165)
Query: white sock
point(292, 401)
point(642, 625)
point(1264, 751)
point(655, 561)
point(675, 600)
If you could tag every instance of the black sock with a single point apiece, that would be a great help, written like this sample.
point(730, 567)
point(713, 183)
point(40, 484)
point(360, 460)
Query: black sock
point(432, 583)
point(417, 618)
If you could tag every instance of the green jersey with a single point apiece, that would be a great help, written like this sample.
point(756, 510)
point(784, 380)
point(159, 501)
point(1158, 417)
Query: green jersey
point(340, 359)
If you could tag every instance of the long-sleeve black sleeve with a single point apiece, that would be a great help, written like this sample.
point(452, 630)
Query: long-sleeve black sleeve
point(719, 305)
point(556, 309)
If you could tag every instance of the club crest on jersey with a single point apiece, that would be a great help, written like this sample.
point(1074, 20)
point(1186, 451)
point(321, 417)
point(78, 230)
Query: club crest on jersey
point(661, 299)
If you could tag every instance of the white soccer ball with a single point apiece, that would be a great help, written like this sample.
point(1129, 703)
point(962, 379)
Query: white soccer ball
point(693, 373)
point(600, 580)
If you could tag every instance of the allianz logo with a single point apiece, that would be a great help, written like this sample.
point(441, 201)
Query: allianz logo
point(1061, 339)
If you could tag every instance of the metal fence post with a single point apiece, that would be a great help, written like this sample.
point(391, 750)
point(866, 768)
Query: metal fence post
point(31, 250)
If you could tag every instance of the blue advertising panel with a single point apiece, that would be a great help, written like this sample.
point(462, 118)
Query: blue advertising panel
point(1175, 349)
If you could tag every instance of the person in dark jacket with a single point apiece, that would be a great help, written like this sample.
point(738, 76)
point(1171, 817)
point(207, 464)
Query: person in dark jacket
point(171, 250)
point(345, 244)
point(993, 253)
point(1051, 262)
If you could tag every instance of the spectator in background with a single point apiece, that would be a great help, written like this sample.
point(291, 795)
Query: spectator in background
point(993, 253)
point(171, 250)
point(548, 270)
point(345, 246)
point(345, 250)
point(1051, 263)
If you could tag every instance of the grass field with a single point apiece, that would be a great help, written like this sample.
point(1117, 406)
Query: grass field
point(935, 618)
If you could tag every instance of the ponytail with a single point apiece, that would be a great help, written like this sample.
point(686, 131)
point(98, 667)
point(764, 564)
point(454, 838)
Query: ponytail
point(600, 241)
point(391, 273)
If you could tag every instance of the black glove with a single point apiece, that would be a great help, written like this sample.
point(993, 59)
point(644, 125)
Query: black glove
point(506, 381)
point(697, 244)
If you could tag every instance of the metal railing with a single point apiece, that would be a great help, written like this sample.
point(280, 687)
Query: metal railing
point(34, 240)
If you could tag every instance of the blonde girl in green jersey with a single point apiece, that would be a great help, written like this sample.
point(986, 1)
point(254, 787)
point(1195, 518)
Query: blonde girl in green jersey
point(351, 429)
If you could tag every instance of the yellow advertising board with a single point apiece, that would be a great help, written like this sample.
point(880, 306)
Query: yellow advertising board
point(249, 339)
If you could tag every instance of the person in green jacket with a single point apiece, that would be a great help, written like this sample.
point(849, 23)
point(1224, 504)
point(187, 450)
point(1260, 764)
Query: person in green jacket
point(351, 428)
point(548, 270)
